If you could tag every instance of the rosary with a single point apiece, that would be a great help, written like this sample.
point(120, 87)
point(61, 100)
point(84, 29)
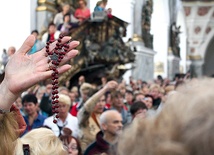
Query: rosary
point(55, 57)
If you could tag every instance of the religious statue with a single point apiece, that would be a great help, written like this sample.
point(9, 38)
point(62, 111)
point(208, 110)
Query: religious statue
point(146, 23)
point(174, 39)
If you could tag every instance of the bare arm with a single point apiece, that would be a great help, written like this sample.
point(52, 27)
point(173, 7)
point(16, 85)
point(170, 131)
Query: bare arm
point(23, 70)
point(87, 109)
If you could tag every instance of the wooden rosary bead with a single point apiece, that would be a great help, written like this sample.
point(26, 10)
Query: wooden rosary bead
point(56, 55)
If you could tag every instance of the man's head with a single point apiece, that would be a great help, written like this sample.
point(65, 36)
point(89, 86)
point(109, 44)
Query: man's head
point(138, 109)
point(30, 104)
point(111, 122)
point(117, 99)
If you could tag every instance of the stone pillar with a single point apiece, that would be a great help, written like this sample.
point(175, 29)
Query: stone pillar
point(173, 65)
point(144, 63)
point(45, 13)
point(196, 68)
point(137, 17)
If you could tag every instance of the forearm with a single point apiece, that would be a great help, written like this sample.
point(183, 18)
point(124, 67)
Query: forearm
point(92, 101)
point(7, 98)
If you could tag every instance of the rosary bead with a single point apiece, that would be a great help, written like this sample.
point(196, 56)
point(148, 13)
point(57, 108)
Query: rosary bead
point(57, 54)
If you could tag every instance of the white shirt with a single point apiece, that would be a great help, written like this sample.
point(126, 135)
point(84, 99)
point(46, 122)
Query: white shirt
point(71, 122)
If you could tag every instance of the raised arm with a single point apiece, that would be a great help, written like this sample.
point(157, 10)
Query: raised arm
point(23, 70)
point(88, 107)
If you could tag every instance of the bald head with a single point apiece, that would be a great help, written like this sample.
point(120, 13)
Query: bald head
point(111, 122)
point(107, 115)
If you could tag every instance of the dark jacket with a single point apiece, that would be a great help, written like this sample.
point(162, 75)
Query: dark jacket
point(99, 146)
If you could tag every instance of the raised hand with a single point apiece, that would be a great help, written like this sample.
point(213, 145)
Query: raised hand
point(23, 70)
point(111, 85)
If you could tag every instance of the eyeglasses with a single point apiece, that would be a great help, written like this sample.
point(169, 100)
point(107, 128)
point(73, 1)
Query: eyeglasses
point(73, 148)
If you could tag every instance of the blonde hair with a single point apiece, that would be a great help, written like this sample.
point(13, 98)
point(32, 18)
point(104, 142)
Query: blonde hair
point(8, 133)
point(42, 141)
point(153, 86)
point(64, 99)
point(184, 126)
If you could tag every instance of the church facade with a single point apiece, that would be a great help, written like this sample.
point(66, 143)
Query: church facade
point(168, 36)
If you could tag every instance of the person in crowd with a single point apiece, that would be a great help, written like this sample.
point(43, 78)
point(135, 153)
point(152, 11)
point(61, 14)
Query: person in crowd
point(18, 104)
point(139, 96)
point(89, 115)
point(72, 98)
point(144, 90)
point(82, 13)
point(58, 18)
point(6, 55)
point(63, 90)
point(101, 5)
point(52, 33)
point(108, 100)
point(155, 91)
point(118, 104)
point(122, 89)
point(29, 70)
point(40, 92)
point(74, 89)
point(38, 45)
point(45, 103)
point(41, 141)
point(129, 98)
point(111, 125)
point(148, 101)
point(72, 144)
point(85, 91)
point(81, 80)
point(32, 118)
point(67, 25)
point(138, 110)
point(183, 127)
point(65, 120)
point(11, 51)
point(4, 58)
point(103, 82)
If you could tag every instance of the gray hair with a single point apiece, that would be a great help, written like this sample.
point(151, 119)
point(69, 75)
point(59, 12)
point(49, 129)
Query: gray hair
point(105, 115)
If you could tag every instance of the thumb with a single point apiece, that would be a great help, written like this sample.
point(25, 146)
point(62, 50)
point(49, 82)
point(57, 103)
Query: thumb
point(27, 45)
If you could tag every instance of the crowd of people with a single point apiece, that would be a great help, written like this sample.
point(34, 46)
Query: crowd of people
point(135, 117)
point(115, 117)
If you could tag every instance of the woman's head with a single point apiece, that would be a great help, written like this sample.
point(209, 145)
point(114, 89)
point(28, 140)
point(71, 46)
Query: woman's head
point(100, 105)
point(41, 141)
point(64, 104)
point(72, 145)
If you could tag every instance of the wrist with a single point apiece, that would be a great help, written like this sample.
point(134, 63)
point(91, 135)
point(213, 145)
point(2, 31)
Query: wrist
point(7, 98)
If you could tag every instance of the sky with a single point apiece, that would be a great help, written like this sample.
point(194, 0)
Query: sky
point(15, 25)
